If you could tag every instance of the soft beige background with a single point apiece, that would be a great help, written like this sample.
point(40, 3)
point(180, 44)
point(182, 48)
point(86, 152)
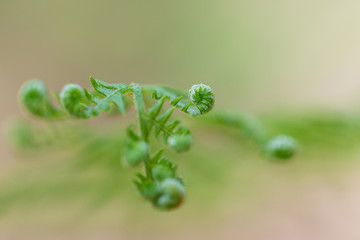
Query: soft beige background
point(259, 56)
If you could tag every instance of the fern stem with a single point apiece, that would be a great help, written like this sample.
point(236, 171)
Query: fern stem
point(140, 110)
point(247, 124)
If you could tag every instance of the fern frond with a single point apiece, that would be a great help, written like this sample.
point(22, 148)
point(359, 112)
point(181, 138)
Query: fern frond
point(160, 184)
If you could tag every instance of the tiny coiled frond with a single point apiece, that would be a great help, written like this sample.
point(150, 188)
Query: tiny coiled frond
point(280, 148)
point(202, 97)
point(35, 98)
point(71, 98)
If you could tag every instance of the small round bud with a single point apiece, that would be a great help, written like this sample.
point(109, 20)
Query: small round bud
point(180, 143)
point(161, 172)
point(281, 147)
point(135, 152)
point(71, 96)
point(172, 194)
point(149, 190)
point(35, 98)
point(202, 96)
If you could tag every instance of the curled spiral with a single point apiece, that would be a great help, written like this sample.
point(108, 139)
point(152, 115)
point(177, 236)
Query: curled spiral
point(35, 98)
point(71, 97)
point(172, 194)
point(281, 147)
point(203, 97)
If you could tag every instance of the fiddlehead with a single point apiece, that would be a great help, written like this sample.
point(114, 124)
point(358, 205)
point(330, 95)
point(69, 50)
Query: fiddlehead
point(171, 194)
point(202, 96)
point(280, 147)
point(35, 98)
point(71, 97)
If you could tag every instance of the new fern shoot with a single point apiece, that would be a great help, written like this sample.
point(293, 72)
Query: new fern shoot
point(159, 183)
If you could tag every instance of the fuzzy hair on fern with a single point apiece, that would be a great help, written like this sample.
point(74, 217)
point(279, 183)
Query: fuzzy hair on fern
point(159, 183)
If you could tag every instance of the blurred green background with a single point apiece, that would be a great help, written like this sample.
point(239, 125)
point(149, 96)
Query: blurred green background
point(294, 63)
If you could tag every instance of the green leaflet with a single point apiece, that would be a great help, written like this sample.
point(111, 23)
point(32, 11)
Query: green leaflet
point(112, 93)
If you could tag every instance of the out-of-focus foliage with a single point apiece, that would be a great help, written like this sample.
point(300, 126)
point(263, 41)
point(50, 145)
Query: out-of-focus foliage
point(92, 169)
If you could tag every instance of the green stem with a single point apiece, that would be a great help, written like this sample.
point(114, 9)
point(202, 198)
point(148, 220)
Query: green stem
point(140, 110)
point(247, 124)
